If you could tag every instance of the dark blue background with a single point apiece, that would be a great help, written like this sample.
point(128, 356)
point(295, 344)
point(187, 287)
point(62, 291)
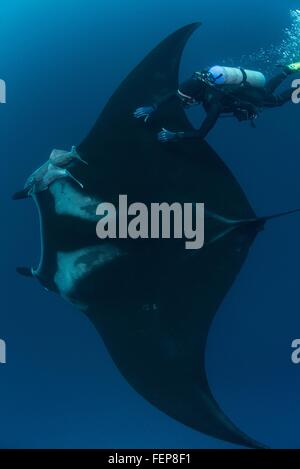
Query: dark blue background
point(61, 61)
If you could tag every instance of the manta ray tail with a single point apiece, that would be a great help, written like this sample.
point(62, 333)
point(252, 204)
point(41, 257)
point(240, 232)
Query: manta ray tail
point(261, 221)
point(280, 215)
point(231, 225)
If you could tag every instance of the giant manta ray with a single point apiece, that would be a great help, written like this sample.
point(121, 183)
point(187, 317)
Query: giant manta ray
point(151, 301)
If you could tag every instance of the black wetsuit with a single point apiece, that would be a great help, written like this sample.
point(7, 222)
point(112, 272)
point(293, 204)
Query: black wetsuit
point(243, 101)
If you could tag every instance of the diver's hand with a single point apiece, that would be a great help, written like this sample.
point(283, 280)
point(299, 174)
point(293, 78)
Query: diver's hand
point(144, 112)
point(167, 136)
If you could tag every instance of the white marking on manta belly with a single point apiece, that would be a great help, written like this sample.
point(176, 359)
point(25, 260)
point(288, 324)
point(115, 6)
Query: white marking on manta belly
point(72, 268)
point(69, 201)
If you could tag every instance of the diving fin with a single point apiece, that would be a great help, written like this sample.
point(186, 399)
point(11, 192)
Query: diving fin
point(290, 68)
point(295, 67)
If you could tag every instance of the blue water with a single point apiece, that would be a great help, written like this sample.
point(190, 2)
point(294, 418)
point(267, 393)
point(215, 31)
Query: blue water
point(61, 61)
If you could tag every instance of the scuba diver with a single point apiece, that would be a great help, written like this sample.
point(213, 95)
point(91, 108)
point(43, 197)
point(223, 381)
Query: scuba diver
point(224, 91)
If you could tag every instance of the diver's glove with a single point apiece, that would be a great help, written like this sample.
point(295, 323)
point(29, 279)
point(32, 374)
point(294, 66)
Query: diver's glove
point(167, 136)
point(144, 112)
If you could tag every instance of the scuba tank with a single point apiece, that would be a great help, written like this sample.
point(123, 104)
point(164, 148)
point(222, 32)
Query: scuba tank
point(237, 76)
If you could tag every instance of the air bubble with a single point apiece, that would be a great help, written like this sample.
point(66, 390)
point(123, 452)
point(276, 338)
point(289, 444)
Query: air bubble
point(266, 59)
